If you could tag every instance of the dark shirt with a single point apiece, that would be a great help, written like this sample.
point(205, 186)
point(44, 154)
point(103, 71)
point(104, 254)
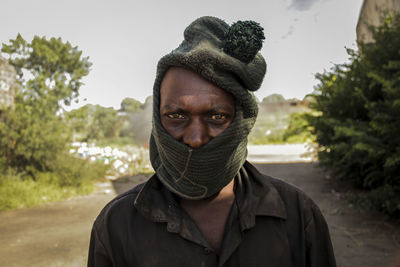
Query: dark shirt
point(271, 223)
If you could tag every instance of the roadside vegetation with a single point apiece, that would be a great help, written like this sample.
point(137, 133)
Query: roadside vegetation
point(356, 119)
point(18, 190)
point(280, 121)
point(48, 153)
point(35, 165)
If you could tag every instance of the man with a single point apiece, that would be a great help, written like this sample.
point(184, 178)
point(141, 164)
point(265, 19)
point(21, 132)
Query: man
point(205, 205)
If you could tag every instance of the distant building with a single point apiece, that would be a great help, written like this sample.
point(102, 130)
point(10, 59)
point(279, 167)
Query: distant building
point(371, 14)
point(7, 84)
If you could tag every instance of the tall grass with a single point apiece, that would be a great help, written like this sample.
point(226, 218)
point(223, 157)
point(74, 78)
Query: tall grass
point(70, 177)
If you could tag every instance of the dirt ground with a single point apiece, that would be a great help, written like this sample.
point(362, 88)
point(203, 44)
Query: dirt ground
point(366, 239)
point(57, 234)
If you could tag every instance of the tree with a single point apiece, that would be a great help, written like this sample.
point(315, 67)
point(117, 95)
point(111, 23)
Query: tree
point(358, 107)
point(55, 69)
point(49, 74)
point(94, 122)
point(137, 121)
point(274, 98)
point(78, 120)
point(130, 105)
point(104, 123)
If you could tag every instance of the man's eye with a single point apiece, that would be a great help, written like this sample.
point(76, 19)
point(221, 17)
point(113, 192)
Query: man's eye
point(176, 116)
point(218, 117)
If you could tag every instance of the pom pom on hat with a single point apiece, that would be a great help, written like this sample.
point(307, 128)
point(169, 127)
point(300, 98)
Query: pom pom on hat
point(243, 40)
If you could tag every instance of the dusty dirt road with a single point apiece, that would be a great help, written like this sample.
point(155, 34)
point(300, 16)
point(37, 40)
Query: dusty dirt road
point(57, 234)
point(359, 238)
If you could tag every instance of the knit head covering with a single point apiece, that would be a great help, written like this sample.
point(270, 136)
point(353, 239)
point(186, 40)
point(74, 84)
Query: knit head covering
point(228, 57)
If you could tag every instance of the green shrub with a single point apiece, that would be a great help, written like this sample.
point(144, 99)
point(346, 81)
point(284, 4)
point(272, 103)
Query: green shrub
point(49, 74)
point(298, 130)
point(118, 142)
point(268, 129)
point(71, 177)
point(34, 135)
point(275, 137)
point(358, 121)
point(30, 139)
point(68, 170)
point(385, 198)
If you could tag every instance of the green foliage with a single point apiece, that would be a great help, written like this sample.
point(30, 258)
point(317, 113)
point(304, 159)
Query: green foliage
point(104, 123)
point(71, 177)
point(30, 138)
point(274, 98)
point(267, 131)
point(92, 123)
point(130, 105)
point(135, 121)
point(49, 75)
point(116, 142)
point(68, 170)
point(55, 70)
point(107, 126)
point(274, 117)
point(386, 198)
point(359, 117)
point(35, 166)
point(298, 130)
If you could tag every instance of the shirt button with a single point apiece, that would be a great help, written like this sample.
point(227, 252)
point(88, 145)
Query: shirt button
point(171, 226)
point(207, 251)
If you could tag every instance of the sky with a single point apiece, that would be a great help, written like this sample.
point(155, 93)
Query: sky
point(124, 39)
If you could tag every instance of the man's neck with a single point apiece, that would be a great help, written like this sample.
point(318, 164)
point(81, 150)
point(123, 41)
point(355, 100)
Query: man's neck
point(211, 214)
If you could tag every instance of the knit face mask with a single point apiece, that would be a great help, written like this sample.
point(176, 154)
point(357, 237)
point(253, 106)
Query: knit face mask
point(222, 56)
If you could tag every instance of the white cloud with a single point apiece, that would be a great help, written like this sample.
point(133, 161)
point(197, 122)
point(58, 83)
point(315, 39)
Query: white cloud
point(302, 5)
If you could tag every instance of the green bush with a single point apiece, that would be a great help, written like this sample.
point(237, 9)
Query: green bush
point(275, 137)
point(94, 122)
point(357, 128)
point(71, 177)
point(49, 74)
point(68, 170)
point(385, 198)
point(35, 166)
point(268, 129)
point(298, 130)
point(30, 139)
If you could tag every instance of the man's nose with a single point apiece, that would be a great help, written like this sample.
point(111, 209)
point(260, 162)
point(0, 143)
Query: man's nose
point(196, 134)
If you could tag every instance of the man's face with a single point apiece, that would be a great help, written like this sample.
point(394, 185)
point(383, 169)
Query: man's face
point(192, 109)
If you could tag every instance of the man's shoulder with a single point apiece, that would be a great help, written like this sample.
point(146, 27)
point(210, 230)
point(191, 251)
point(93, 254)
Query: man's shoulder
point(293, 197)
point(288, 190)
point(121, 204)
point(282, 186)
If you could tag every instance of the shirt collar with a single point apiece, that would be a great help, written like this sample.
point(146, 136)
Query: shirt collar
point(156, 203)
point(256, 196)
